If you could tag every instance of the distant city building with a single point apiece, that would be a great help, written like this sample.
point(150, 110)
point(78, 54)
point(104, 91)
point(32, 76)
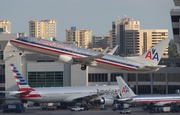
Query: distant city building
point(5, 26)
point(43, 28)
point(82, 38)
point(100, 42)
point(118, 31)
point(132, 40)
point(175, 19)
point(139, 41)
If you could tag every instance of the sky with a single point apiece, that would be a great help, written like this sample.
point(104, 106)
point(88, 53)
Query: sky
point(95, 15)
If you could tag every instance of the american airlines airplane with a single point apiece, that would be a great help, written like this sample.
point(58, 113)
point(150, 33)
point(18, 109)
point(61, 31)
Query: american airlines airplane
point(128, 96)
point(70, 54)
point(98, 94)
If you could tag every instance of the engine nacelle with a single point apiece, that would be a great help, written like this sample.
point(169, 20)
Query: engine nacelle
point(66, 59)
point(106, 100)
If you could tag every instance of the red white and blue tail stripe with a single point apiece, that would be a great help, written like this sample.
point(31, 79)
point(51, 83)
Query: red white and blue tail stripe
point(22, 84)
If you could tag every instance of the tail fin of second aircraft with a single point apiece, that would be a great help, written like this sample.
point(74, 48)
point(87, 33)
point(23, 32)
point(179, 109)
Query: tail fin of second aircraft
point(124, 88)
point(153, 55)
point(22, 84)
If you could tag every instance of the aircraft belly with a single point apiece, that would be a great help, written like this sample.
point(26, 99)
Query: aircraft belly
point(52, 98)
point(112, 68)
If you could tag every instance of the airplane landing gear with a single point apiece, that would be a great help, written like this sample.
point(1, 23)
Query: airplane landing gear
point(83, 67)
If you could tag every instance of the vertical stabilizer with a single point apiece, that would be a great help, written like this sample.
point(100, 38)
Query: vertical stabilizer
point(22, 84)
point(153, 55)
point(124, 88)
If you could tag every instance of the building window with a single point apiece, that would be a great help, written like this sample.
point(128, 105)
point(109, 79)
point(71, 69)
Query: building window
point(2, 78)
point(144, 89)
point(160, 77)
point(114, 75)
point(173, 77)
point(176, 31)
point(131, 77)
point(97, 77)
point(1, 55)
point(159, 89)
point(173, 88)
point(45, 79)
point(175, 18)
point(144, 77)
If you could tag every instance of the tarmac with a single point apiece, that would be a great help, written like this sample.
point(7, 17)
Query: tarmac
point(39, 111)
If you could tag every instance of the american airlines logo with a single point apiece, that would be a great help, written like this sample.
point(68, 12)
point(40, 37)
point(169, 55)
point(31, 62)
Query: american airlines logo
point(152, 55)
point(52, 44)
point(125, 89)
point(109, 91)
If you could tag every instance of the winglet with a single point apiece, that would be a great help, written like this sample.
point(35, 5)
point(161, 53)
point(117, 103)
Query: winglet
point(105, 51)
point(124, 88)
point(113, 50)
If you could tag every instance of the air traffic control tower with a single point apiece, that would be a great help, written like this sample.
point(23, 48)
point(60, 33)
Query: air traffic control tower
point(175, 19)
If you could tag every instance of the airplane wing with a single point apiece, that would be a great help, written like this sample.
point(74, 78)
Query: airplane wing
point(81, 96)
point(90, 59)
point(156, 67)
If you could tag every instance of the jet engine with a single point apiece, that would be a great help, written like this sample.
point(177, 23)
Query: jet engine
point(66, 59)
point(106, 100)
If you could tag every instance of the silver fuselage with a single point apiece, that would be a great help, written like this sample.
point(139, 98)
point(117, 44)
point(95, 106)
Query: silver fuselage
point(70, 94)
point(55, 49)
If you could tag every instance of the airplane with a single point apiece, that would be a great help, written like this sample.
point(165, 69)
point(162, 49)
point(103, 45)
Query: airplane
point(69, 54)
point(128, 96)
point(98, 94)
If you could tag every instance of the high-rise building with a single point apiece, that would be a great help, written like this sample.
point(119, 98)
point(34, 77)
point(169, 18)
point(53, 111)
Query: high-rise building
point(175, 19)
point(82, 38)
point(44, 29)
point(138, 42)
point(118, 31)
point(100, 42)
point(5, 25)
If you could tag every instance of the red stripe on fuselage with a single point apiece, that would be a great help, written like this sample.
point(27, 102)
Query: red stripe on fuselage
point(30, 96)
point(26, 89)
point(75, 55)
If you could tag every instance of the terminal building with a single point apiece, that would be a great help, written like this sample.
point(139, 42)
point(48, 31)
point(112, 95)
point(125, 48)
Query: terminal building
point(42, 71)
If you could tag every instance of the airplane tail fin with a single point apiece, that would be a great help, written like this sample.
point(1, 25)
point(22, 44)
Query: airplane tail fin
point(21, 82)
point(153, 55)
point(124, 88)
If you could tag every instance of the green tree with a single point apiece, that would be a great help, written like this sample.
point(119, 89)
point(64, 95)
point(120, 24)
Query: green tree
point(172, 50)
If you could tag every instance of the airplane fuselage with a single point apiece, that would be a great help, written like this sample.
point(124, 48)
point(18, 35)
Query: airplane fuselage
point(159, 99)
point(55, 49)
point(70, 94)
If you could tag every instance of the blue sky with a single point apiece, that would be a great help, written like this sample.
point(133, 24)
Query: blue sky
point(96, 15)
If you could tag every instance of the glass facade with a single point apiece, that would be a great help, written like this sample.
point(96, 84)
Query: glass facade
point(114, 75)
point(1, 55)
point(45, 79)
point(131, 77)
point(2, 95)
point(144, 77)
point(159, 77)
point(173, 88)
point(159, 89)
point(173, 77)
point(98, 77)
point(144, 89)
